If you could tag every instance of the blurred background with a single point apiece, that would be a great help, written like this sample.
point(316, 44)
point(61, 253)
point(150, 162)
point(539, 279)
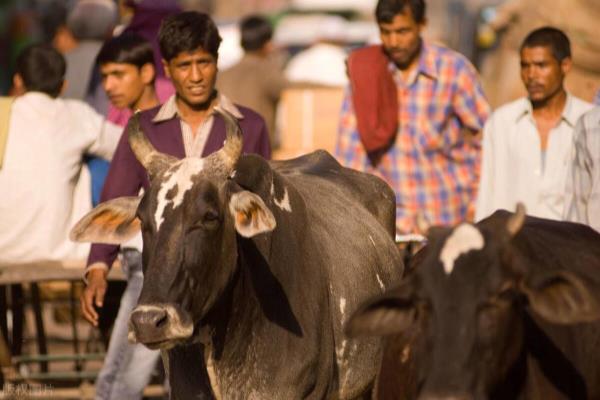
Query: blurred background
point(312, 39)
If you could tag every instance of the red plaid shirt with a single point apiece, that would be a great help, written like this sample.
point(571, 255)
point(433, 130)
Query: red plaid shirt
point(431, 167)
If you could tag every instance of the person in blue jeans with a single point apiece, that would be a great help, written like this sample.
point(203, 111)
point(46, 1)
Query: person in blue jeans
point(126, 65)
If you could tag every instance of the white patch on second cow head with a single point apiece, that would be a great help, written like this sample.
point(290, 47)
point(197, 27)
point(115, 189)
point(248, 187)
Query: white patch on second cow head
point(463, 239)
point(181, 177)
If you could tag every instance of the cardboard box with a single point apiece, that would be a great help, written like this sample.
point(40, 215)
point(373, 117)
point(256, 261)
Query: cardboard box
point(308, 120)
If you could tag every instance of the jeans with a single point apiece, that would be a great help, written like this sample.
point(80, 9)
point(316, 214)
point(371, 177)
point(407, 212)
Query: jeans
point(127, 368)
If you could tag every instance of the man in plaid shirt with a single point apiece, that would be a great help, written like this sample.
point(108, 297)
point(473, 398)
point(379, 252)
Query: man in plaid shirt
point(432, 157)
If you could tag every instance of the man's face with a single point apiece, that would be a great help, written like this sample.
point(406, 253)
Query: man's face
point(401, 38)
point(125, 83)
point(541, 73)
point(193, 74)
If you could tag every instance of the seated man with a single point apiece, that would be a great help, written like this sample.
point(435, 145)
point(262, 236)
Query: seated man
point(583, 179)
point(47, 138)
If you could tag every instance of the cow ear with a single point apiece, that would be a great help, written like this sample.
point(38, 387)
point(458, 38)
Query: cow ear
point(388, 314)
point(250, 213)
point(561, 297)
point(111, 222)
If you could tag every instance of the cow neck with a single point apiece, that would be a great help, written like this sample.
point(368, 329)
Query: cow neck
point(215, 323)
point(513, 385)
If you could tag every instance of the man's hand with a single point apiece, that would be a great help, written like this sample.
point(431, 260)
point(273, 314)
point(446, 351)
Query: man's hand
point(93, 294)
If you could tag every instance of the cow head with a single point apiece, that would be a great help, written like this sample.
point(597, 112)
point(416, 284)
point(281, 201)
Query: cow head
point(461, 310)
point(189, 218)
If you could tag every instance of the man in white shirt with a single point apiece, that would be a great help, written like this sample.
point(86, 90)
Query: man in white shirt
point(527, 143)
point(583, 179)
point(47, 138)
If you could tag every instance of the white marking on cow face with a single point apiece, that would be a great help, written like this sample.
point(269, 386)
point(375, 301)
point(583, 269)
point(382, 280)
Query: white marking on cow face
point(463, 239)
point(381, 285)
point(342, 306)
point(181, 177)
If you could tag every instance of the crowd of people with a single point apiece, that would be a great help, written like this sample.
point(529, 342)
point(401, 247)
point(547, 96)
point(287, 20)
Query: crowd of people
point(414, 113)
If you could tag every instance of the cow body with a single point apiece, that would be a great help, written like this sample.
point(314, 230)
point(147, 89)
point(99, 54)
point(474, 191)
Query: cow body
point(487, 313)
point(282, 336)
point(259, 266)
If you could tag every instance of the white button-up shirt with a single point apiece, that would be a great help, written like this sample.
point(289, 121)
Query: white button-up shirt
point(583, 179)
point(513, 167)
point(47, 139)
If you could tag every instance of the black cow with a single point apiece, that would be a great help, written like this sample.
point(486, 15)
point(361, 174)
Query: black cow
point(505, 309)
point(261, 264)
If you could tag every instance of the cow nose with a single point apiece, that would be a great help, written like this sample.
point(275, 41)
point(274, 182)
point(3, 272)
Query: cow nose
point(151, 319)
point(149, 323)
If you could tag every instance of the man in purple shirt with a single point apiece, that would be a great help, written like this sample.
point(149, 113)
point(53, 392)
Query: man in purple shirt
point(186, 125)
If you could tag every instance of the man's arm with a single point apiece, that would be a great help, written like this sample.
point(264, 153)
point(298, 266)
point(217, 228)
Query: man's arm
point(274, 80)
point(123, 180)
point(104, 135)
point(469, 102)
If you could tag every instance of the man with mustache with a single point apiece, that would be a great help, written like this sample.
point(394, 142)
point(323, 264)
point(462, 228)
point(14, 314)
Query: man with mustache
point(527, 144)
point(411, 115)
point(186, 125)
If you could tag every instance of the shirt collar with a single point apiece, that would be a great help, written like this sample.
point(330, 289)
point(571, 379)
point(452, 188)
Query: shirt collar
point(426, 66)
point(569, 114)
point(169, 109)
point(427, 61)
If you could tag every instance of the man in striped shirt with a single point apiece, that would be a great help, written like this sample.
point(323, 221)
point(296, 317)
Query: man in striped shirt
point(432, 160)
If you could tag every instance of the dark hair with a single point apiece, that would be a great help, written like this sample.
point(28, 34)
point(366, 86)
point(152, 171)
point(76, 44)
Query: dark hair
point(255, 31)
point(128, 48)
point(550, 37)
point(53, 17)
point(188, 31)
point(386, 10)
point(42, 69)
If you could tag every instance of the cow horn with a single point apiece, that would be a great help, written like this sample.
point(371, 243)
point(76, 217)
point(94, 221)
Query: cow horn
point(232, 149)
point(515, 221)
point(144, 151)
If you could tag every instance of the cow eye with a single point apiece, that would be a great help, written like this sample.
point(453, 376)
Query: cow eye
point(210, 216)
point(210, 220)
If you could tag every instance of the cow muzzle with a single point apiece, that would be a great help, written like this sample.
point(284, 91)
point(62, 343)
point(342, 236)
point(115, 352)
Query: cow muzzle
point(159, 326)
